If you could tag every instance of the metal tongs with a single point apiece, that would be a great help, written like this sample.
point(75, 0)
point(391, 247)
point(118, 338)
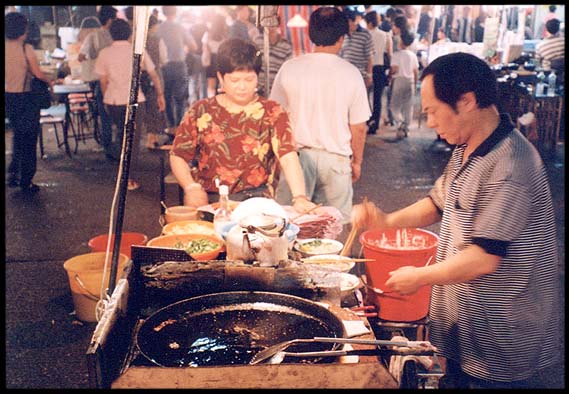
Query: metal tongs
point(278, 349)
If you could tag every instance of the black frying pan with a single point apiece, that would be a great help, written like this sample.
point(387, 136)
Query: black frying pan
point(229, 328)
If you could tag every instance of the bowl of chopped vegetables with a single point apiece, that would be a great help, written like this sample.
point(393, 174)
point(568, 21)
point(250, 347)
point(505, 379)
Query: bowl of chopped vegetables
point(199, 246)
point(317, 246)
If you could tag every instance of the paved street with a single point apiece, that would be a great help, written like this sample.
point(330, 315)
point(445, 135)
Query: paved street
point(45, 345)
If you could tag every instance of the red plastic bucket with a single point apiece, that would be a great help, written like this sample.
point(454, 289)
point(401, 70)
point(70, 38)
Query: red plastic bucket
point(390, 251)
point(99, 243)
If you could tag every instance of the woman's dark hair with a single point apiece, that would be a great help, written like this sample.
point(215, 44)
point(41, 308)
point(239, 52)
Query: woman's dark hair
point(400, 22)
point(120, 30)
point(106, 12)
point(407, 38)
point(458, 73)
point(236, 54)
point(371, 18)
point(15, 25)
point(326, 25)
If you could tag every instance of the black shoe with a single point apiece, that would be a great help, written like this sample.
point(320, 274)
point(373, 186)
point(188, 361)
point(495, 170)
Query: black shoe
point(30, 189)
point(13, 182)
point(371, 131)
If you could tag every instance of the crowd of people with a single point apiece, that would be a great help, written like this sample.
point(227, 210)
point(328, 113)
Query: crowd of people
point(494, 308)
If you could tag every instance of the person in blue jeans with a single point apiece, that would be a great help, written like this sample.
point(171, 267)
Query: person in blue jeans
point(175, 72)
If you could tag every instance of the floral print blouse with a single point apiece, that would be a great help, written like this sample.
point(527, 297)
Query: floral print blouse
point(241, 149)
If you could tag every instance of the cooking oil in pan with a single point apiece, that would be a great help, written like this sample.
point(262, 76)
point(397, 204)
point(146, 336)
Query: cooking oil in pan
point(228, 337)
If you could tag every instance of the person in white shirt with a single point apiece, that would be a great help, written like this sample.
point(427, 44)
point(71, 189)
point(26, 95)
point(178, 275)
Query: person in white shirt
point(114, 67)
point(405, 72)
point(326, 98)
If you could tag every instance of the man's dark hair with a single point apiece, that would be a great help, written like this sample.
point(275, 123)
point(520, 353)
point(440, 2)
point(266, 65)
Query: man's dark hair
point(371, 18)
point(552, 8)
point(129, 13)
point(235, 54)
point(326, 25)
point(15, 25)
point(106, 12)
point(350, 14)
point(390, 13)
point(458, 73)
point(120, 30)
point(552, 26)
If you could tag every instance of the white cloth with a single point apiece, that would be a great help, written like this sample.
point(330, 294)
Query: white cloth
point(406, 61)
point(323, 94)
point(115, 62)
point(379, 39)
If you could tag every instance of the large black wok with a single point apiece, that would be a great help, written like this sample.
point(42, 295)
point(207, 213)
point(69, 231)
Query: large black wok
point(229, 328)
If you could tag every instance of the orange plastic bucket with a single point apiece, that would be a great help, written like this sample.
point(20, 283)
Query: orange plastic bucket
point(85, 274)
point(392, 249)
point(99, 243)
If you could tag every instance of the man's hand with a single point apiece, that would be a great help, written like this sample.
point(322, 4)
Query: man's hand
point(367, 216)
point(404, 280)
point(356, 171)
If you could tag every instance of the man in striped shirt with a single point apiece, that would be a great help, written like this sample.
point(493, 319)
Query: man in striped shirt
point(280, 50)
point(358, 48)
point(553, 46)
point(495, 306)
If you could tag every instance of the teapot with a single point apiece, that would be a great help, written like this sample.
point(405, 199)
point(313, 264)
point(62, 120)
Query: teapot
point(258, 238)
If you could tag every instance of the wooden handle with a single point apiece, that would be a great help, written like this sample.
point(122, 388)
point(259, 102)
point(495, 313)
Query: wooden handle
point(349, 241)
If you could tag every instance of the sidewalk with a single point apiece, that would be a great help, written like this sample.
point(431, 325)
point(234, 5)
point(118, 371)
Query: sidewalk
point(45, 345)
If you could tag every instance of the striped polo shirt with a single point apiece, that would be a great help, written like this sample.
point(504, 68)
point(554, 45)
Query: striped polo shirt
point(551, 48)
point(505, 325)
point(357, 49)
point(278, 54)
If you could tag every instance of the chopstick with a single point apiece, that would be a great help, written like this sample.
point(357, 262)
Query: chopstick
point(307, 212)
point(327, 261)
point(349, 241)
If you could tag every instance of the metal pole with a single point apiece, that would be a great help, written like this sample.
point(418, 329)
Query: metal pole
point(140, 27)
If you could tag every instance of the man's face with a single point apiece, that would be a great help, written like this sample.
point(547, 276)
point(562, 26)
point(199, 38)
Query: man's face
point(440, 116)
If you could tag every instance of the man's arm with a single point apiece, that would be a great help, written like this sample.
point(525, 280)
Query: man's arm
point(359, 133)
point(465, 266)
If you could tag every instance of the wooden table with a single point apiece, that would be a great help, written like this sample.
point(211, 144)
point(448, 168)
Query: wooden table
point(63, 90)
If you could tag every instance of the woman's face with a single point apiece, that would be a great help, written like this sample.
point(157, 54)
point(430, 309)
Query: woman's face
point(240, 87)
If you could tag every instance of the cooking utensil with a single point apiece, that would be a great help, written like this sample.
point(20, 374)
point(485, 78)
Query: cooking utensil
point(349, 241)
point(328, 261)
point(279, 347)
point(280, 356)
point(229, 328)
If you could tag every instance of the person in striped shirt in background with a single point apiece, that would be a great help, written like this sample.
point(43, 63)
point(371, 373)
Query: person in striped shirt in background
point(552, 47)
point(280, 50)
point(358, 48)
point(495, 306)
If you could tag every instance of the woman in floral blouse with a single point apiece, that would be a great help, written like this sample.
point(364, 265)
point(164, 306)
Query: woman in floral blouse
point(237, 137)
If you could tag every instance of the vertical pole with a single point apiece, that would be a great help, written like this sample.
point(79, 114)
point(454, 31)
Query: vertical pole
point(140, 25)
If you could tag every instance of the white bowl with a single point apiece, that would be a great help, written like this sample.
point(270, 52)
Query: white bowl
point(349, 283)
point(318, 246)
